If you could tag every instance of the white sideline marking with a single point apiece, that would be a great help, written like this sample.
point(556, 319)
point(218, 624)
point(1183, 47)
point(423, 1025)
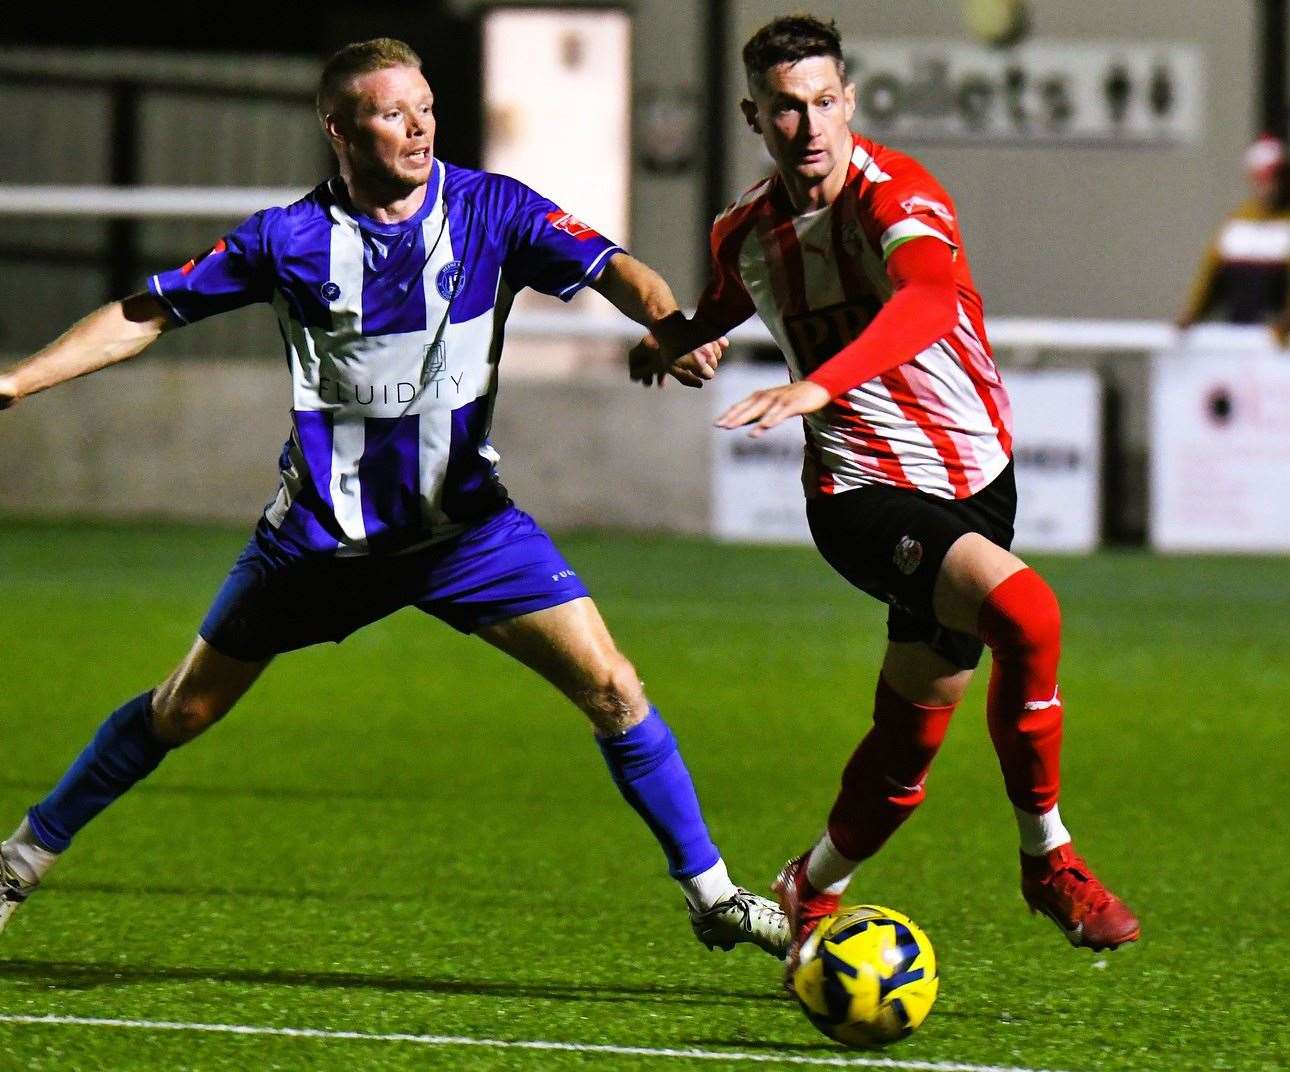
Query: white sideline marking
point(518, 1044)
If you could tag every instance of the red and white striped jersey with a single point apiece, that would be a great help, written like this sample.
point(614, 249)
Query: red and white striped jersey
point(940, 423)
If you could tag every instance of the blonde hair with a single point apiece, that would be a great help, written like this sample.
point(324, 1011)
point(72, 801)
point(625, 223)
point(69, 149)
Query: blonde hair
point(358, 58)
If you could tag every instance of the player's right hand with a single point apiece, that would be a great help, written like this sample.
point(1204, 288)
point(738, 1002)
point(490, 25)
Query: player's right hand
point(8, 392)
point(694, 368)
point(648, 362)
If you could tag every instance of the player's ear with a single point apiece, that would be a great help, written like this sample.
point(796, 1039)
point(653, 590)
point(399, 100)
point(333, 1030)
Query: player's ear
point(750, 115)
point(333, 127)
point(340, 122)
point(849, 99)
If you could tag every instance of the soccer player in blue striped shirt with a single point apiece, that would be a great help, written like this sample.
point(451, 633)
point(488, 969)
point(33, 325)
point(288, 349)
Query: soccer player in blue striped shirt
point(391, 284)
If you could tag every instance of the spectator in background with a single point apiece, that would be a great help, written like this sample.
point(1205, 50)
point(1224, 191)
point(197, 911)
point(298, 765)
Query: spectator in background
point(1243, 278)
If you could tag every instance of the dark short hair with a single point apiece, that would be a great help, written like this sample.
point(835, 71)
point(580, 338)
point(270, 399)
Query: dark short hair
point(789, 39)
point(360, 57)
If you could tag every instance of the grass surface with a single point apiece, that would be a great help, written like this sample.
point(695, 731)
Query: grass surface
point(407, 834)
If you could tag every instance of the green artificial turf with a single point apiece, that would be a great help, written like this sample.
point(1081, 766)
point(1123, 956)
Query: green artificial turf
point(407, 834)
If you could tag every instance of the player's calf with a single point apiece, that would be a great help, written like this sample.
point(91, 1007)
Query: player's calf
point(1020, 621)
point(883, 781)
point(647, 767)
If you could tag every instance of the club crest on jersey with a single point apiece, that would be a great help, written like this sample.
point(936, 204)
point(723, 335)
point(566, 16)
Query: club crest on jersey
point(449, 280)
point(571, 225)
point(330, 291)
point(908, 555)
point(918, 203)
point(218, 247)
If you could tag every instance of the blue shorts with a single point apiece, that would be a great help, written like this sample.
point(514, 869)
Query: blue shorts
point(504, 567)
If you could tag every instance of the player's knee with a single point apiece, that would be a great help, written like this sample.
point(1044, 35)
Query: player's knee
point(1022, 615)
point(613, 698)
point(1039, 625)
point(178, 715)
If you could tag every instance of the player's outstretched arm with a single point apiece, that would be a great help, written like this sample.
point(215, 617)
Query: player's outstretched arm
point(113, 333)
point(687, 349)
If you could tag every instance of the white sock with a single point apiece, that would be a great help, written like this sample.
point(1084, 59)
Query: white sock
point(1040, 834)
point(710, 888)
point(27, 856)
point(827, 869)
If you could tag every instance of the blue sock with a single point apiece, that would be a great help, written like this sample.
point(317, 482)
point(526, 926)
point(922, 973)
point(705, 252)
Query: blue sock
point(123, 752)
point(652, 777)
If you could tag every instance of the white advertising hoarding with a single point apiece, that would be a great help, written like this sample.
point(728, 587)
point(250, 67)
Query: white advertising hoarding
point(1220, 451)
point(1057, 426)
point(756, 483)
point(757, 487)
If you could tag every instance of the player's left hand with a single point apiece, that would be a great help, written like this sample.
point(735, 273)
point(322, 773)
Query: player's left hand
point(645, 362)
point(766, 409)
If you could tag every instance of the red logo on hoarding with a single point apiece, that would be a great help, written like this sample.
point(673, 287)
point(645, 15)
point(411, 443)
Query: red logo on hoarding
point(571, 225)
point(218, 247)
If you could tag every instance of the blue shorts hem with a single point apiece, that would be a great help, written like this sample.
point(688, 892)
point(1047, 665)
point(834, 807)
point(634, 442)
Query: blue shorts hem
point(511, 610)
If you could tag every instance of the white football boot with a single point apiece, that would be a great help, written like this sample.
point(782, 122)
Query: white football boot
point(13, 889)
point(742, 917)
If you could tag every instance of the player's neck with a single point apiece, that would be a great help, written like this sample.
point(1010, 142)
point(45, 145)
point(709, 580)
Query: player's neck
point(811, 195)
point(384, 203)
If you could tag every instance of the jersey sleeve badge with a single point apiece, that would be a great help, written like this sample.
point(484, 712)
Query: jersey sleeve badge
point(218, 247)
point(918, 203)
point(571, 225)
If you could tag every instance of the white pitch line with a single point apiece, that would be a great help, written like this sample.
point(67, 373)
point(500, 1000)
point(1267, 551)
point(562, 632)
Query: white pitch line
point(518, 1044)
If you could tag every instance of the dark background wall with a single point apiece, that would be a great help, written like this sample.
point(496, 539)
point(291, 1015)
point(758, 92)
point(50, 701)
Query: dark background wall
point(446, 41)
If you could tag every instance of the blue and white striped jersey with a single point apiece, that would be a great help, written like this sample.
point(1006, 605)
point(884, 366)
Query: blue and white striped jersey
point(393, 333)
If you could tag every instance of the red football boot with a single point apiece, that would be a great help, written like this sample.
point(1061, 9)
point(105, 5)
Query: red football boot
point(1061, 886)
point(803, 905)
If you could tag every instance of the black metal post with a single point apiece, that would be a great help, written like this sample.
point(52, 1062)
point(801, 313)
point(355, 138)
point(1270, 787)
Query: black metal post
point(1272, 68)
point(717, 102)
point(123, 234)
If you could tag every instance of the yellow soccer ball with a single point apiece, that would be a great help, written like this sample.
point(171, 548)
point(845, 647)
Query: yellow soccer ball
point(867, 976)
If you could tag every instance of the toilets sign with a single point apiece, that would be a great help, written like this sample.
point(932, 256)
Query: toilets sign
point(1046, 92)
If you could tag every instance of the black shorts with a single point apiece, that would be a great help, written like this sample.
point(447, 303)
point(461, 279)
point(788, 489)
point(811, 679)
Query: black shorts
point(890, 542)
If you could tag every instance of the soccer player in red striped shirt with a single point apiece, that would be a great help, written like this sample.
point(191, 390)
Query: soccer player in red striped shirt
point(851, 253)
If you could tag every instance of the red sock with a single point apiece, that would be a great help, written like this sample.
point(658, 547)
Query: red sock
point(1021, 623)
point(883, 781)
